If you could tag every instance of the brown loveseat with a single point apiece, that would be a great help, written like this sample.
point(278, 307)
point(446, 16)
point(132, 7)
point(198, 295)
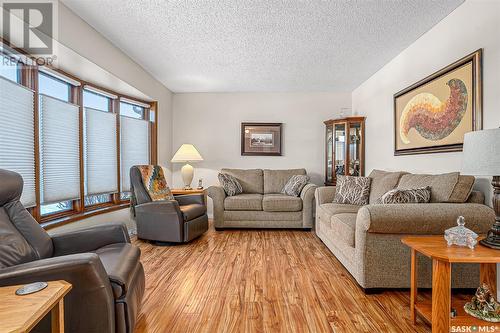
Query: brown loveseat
point(261, 205)
point(367, 239)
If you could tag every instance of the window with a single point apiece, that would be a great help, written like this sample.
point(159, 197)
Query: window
point(132, 111)
point(83, 147)
point(59, 146)
point(54, 87)
point(9, 68)
point(17, 142)
point(96, 101)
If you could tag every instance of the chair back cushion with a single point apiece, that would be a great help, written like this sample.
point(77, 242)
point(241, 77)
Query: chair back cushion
point(22, 239)
point(275, 180)
point(441, 185)
point(155, 183)
point(252, 181)
point(14, 249)
point(139, 193)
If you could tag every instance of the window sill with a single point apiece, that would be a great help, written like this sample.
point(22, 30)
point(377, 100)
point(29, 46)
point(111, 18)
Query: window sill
point(77, 217)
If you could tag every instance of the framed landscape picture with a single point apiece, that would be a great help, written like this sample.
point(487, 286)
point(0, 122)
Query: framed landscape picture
point(261, 139)
point(433, 115)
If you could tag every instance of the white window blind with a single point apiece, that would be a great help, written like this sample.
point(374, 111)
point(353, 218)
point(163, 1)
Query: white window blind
point(101, 152)
point(17, 139)
point(59, 150)
point(134, 146)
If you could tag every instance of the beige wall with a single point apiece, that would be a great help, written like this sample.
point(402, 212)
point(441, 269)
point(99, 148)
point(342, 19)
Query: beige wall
point(212, 123)
point(94, 58)
point(473, 25)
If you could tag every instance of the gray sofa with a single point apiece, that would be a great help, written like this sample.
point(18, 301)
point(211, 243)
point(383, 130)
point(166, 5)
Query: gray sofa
point(367, 239)
point(261, 205)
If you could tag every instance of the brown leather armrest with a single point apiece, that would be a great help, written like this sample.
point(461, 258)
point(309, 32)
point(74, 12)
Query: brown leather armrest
point(89, 239)
point(91, 296)
point(189, 199)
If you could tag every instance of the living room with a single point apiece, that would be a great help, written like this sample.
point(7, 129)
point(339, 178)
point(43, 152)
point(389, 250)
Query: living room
point(249, 166)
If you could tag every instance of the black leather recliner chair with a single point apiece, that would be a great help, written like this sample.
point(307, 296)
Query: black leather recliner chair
point(173, 221)
point(100, 263)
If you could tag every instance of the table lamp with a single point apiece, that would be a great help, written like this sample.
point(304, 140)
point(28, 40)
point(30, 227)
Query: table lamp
point(482, 158)
point(185, 154)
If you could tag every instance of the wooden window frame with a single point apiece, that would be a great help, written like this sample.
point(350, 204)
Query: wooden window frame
point(28, 77)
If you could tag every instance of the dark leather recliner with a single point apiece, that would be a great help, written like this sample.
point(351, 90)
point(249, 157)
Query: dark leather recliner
point(176, 221)
point(100, 263)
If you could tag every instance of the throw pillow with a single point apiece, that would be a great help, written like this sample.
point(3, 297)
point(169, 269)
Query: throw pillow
point(294, 185)
point(401, 196)
point(230, 184)
point(352, 190)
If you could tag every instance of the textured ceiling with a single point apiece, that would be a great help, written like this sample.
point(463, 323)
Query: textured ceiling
point(243, 45)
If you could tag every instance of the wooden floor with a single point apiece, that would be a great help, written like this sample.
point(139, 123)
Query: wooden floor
point(261, 281)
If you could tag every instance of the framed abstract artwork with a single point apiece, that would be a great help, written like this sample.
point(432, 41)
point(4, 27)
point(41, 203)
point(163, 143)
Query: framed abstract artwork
point(261, 139)
point(432, 115)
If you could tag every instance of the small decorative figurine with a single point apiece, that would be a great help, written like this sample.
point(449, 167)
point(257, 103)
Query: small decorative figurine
point(460, 235)
point(483, 305)
point(200, 184)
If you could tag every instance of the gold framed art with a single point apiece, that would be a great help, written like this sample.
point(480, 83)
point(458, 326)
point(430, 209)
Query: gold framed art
point(433, 115)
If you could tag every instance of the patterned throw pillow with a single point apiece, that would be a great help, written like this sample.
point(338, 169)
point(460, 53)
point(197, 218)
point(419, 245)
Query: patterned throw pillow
point(230, 184)
point(155, 183)
point(401, 196)
point(294, 185)
point(352, 190)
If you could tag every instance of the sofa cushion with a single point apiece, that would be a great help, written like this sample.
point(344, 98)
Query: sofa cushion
point(120, 260)
point(344, 227)
point(275, 180)
point(243, 201)
point(462, 189)
point(252, 181)
point(192, 211)
point(441, 185)
point(382, 182)
point(352, 190)
point(281, 203)
point(334, 208)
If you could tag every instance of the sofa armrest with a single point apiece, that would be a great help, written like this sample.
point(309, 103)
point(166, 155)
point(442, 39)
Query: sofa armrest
point(325, 194)
point(218, 195)
point(308, 206)
point(423, 219)
point(89, 239)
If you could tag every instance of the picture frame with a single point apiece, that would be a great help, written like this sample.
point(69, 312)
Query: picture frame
point(454, 94)
point(261, 139)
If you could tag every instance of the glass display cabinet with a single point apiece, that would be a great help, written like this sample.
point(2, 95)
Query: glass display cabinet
point(345, 148)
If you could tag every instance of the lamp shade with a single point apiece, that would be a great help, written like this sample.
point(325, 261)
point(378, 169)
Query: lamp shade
point(481, 155)
point(187, 153)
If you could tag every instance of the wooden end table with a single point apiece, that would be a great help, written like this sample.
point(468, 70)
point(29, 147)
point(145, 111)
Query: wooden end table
point(22, 313)
point(437, 311)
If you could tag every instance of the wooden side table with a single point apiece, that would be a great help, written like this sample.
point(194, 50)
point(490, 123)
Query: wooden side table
point(437, 312)
point(22, 313)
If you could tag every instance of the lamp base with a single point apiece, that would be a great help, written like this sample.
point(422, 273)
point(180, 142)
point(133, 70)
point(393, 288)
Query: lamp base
point(492, 239)
point(187, 172)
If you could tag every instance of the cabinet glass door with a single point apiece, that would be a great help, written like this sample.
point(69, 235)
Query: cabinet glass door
point(329, 154)
point(339, 148)
point(355, 149)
